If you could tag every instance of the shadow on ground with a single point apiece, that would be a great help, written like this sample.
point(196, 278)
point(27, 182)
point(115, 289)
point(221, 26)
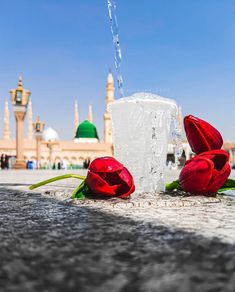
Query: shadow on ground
point(47, 246)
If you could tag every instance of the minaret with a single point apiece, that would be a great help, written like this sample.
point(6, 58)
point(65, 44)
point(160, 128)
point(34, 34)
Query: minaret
point(6, 129)
point(76, 117)
point(90, 114)
point(30, 120)
point(108, 137)
point(20, 98)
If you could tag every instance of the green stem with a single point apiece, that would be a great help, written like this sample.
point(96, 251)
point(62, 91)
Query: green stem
point(77, 193)
point(226, 189)
point(175, 185)
point(42, 183)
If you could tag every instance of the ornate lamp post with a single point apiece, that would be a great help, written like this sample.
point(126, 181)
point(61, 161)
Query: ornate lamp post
point(51, 138)
point(20, 98)
point(38, 128)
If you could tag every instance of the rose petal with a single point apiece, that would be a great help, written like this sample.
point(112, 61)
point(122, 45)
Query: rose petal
point(105, 164)
point(100, 186)
point(219, 157)
point(129, 192)
point(220, 177)
point(220, 170)
point(196, 175)
point(201, 135)
point(126, 176)
point(112, 178)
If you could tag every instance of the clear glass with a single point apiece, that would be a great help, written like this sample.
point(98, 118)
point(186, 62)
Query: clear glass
point(142, 126)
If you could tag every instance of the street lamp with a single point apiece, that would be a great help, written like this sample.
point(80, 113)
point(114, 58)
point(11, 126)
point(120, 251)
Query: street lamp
point(38, 129)
point(20, 99)
point(51, 138)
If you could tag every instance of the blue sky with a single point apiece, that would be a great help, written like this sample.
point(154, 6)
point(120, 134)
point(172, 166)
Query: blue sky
point(181, 49)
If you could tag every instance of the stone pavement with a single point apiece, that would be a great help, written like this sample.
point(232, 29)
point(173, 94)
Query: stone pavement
point(149, 243)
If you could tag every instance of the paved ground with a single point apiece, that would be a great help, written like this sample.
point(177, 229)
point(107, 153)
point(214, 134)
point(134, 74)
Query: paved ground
point(150, 243)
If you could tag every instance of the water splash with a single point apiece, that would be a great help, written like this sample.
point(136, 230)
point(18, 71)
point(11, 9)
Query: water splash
point(116, 42)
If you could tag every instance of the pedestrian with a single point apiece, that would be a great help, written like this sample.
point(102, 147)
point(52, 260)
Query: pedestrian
point(6, 162)
point(2, 161)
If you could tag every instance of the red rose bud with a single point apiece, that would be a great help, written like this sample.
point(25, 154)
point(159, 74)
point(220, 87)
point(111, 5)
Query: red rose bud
point(205, 173)
point(201, 135)
point(108, 177)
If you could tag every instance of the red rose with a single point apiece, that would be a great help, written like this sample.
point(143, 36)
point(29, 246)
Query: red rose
point(205, 173)
point(201, 135)
point(106, 176)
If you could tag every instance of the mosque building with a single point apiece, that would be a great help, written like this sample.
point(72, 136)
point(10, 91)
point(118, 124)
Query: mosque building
point(47, 149)
point(43, 148)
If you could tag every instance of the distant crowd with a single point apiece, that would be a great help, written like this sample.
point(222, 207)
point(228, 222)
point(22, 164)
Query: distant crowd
point(4, 161)
point(58, 166)
point(62, 165)
point(86, 163)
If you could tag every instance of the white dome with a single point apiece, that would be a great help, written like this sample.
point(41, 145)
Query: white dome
point(50, 134)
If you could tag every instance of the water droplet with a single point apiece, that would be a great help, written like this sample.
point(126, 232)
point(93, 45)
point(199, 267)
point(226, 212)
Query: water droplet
point(116, 42)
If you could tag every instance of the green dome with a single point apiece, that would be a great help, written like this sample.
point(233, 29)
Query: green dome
point(86, 130)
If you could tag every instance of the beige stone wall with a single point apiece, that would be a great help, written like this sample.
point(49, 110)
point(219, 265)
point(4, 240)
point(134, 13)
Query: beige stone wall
point(230, 148)
point(76, 153)
point(72, 153)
